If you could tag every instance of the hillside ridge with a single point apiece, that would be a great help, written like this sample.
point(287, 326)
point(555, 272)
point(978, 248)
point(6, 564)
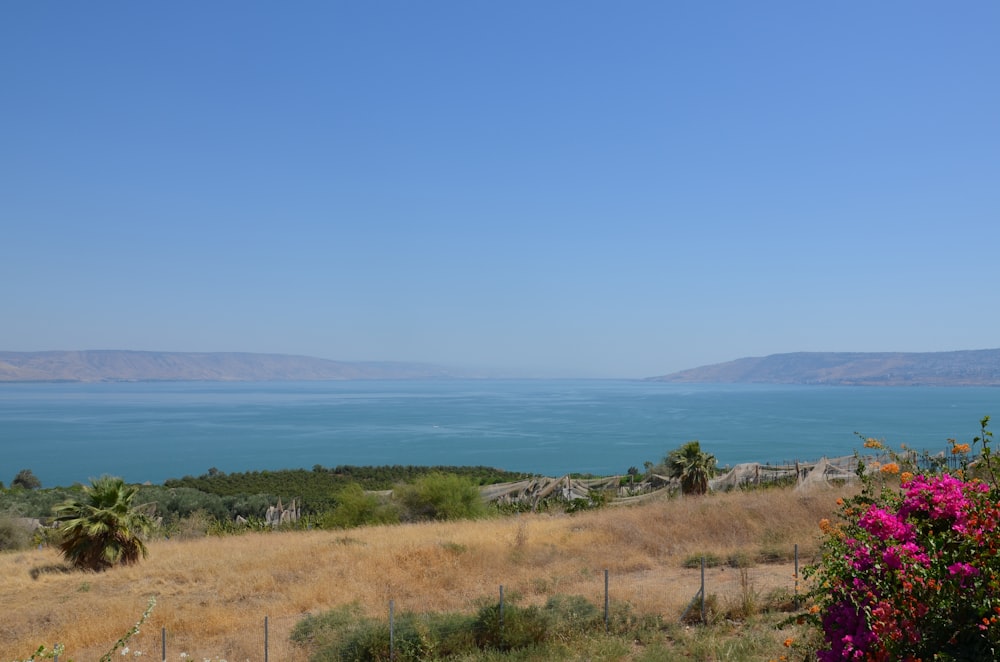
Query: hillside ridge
point(128, 365)
point(980, 367)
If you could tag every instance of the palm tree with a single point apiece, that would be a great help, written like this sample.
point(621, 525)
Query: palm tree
point(691, 466)
point(103, 528)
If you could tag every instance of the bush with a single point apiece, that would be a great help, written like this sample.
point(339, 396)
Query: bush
point(440, 496)
point(914, 572)
point(355, 507)
point(344, 634)
point(569, 615)
point(13, 535)
point(520, 627)
point(524, 632)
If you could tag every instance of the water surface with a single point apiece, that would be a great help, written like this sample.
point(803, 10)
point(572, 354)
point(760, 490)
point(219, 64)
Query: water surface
point(153, 431)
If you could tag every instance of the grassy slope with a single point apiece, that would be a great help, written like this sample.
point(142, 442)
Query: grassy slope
point(213, 593)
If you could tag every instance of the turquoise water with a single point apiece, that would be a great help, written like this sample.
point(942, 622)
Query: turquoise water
point(67, 433)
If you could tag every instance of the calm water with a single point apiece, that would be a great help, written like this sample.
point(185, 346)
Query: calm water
point(153, 431)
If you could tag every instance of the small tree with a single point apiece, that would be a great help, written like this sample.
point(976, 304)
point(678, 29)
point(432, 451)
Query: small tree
point(27, 479)
point(691, 466)
point(103, 528)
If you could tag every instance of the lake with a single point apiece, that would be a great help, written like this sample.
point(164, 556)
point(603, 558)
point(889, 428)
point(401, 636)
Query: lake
point(68, 433)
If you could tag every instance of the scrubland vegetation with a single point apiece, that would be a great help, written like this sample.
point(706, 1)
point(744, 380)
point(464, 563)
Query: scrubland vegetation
point(903, 566)
point(213, 592)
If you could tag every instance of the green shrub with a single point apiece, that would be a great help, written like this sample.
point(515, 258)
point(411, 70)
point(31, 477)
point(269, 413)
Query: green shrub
point(528, 633)
point(569, 615)
point(520, 627)
point(345, 634)
point(440, 496)
point(355, 507)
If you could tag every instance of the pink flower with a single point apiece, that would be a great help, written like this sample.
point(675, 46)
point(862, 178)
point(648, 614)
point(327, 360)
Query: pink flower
point(941, 498)
point(962, 570)
point(884, 525)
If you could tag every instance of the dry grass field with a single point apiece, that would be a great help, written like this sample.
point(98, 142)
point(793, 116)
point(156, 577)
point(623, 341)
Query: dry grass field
point(213, 593)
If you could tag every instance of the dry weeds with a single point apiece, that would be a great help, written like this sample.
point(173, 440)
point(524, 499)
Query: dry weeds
point(213, 593)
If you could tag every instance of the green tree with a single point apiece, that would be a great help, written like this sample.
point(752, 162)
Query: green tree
point(692, 466)
point(27, 479)
point(103, 528)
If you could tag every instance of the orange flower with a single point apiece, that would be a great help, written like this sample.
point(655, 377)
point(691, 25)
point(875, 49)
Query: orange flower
point(905, 477)
point(814, 609)
point(872, 442)
point(958, 449)
point(789, 642)
point(891, 468)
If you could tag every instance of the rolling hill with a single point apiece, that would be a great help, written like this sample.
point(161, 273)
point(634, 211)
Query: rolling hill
point(961, 368)
point(121, 365)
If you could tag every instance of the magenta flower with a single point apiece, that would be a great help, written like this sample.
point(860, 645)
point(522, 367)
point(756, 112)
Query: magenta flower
point(941, 498)
point(962, 570)
point(884, 525)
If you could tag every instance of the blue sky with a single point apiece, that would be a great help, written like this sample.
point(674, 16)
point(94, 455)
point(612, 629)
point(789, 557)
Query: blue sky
point(530, 188)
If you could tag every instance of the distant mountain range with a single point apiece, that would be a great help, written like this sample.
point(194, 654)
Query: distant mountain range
point(979, 367)
point(120, 365)
point(963, 368)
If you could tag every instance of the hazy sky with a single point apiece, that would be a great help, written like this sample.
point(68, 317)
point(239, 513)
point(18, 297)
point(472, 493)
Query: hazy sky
point(540, 188)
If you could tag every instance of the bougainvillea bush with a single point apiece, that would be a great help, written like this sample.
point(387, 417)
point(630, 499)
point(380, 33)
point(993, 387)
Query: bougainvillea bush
point(911, 570)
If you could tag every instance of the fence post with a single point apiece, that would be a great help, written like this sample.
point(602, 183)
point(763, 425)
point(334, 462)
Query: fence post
point(796, 574)
point(163, 642)
point(265, 638)
point(702, 590)
point(501, 609)
point(606, 603)
point(392, 629)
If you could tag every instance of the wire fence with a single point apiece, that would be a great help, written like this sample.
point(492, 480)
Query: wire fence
point(709, 587)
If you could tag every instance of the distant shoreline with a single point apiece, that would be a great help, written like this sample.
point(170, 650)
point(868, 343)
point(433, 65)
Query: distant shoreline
point(959, 368)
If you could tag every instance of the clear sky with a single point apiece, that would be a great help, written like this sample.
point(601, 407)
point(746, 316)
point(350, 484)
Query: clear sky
point(572, 188)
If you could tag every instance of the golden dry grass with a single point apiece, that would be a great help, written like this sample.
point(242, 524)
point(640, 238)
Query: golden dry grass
point(213, 593)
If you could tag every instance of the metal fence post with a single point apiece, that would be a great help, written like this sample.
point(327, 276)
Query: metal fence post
point(606, 602)
point(703, 590)
point(501, 609)
point(392, 630)
point(265, 638)
point(796, 574)
point(163, 642)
